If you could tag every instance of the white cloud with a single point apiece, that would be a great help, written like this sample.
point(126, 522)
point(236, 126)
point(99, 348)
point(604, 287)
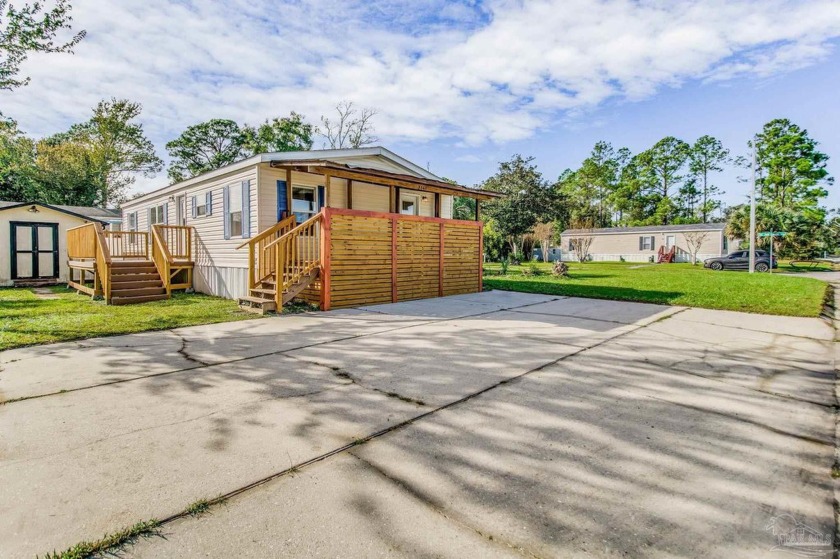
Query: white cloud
point(467, 71)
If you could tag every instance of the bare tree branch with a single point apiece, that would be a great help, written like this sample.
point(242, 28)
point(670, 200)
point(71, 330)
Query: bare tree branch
point(352, 129)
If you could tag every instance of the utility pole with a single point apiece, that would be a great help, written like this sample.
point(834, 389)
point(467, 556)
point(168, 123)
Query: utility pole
point(752, 217)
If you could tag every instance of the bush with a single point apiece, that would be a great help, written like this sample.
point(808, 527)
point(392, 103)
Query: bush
point(560, 269)
point(532, 269)
point(505, 265)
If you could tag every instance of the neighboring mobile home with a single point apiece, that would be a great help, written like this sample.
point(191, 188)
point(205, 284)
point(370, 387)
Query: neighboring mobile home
point(649, 243)
point(334, 227)
point(32, 239)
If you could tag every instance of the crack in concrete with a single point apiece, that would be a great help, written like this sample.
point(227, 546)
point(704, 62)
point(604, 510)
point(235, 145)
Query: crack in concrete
point(182, 351)
point(440, 509)
point(347, 375)
point(250, 357)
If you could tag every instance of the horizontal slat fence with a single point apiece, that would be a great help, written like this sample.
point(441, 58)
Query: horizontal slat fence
point(377, 257)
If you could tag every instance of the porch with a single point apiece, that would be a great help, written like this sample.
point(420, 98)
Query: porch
point(125, 267)
point(342, 258)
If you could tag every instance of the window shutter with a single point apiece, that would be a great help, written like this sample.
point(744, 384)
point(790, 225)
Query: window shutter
point(641, 243)
point(193, 207)
point(246, 209)
point(282, 200)
point(166, 213)
point(322, 194)
point(225, 206)
point(652, 242)
point(209, 203)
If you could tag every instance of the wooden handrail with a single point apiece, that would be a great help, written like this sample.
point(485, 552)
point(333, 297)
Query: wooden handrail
point(261, 262)
point(297, 253)
point(161, 257)
point(288, 222)
point(177, 239)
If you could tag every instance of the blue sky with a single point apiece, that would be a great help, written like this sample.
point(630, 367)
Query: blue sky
point(457, 85)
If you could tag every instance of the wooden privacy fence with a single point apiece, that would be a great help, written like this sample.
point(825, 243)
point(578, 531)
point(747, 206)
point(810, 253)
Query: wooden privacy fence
point(373, 257)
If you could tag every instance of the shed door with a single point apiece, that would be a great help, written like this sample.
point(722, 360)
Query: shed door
point(34, 249)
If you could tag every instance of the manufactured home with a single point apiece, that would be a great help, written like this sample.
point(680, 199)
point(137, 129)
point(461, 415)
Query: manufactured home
point(336, 228)
point(33, 250)
point(655, 243)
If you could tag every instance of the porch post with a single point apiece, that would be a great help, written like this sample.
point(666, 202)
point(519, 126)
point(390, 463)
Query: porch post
point(327, 190)
point(477, 211)
point(396, 208)
point(437, 204)
point(349, 194)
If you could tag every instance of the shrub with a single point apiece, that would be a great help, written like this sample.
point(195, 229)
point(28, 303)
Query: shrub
point(560, 269)
point(505, 265)
point(532, 269)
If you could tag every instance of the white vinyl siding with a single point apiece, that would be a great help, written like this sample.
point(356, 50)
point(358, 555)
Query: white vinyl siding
point(211, 248)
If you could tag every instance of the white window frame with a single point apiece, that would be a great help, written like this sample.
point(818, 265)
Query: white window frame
point(302, 215)
point(415, 199)
point(201, 207)
point(647, 239)
point(154, 210)
point(235, 193)
point(132, 221)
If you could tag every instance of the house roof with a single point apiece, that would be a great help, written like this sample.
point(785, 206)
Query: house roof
point(647, 229)
point(85, 212)
point(310, 156)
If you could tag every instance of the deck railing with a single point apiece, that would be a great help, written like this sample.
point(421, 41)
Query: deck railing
point(296, 254)
point(178, 240)
point(261, 259)
point(87, 242)
point(128, 244)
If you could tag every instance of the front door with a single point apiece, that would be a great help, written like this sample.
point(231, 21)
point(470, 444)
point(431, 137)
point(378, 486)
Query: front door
point(181, 210)
point(670, 241)
point(34, 249)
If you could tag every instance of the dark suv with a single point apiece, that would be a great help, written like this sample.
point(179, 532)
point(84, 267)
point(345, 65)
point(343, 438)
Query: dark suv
point(740, 260)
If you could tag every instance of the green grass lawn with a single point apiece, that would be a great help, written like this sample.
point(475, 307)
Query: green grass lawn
point(672, 284)
point(26, 319)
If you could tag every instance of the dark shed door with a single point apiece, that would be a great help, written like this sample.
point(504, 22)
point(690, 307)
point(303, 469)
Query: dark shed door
point(34, 248)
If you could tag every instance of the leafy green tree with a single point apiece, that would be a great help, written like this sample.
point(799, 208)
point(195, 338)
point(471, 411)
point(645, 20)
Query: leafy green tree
point(528, 199)
point(591, 189)
point(791, 178)
point(289, 133)
point(707, 156)
point(118, 148)
point(66, 173)
point(791, 170)
point(204, 147)
point(31, 28)
point(659, 174)
point(17, 164)
point(463, 208)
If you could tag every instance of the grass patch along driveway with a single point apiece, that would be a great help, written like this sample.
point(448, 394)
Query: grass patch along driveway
point(29, 319)
point(671, 284)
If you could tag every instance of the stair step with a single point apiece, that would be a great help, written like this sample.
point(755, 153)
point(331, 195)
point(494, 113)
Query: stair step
point(124, 278)
point(130, 282)
point(263, 291)
point(133, 270)
point(130, 263)
point(137, 292)
point(257, 304)
point(132, 300)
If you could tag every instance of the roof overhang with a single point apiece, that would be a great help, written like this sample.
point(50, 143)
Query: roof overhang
point(384, 178)
point(55, 209)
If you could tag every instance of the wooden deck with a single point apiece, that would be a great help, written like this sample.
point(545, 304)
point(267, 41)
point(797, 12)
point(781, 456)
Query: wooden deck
point(116, 265)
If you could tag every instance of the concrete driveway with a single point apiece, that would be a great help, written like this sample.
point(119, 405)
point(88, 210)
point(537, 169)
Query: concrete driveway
point(493, 424)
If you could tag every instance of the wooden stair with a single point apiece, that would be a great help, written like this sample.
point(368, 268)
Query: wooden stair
point(666, 256)
point(263, 299)
point(136, 281)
